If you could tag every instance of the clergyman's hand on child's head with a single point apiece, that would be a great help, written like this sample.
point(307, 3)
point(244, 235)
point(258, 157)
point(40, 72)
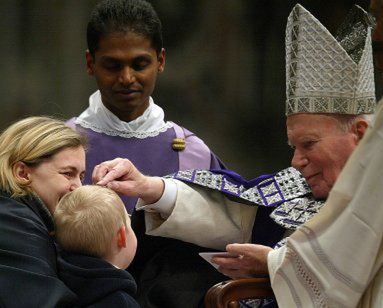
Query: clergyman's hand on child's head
point(123, 177)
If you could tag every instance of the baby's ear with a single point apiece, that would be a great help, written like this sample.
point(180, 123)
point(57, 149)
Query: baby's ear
point(121, 237)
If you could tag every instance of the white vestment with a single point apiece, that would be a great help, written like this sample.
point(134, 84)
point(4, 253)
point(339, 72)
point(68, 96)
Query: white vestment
point(204, 217)
point(335, 259)
point(217, 215)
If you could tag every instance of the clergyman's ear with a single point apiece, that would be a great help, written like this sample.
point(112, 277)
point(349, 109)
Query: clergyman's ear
point(89, 63)
point(360, 128)
point(161, 61)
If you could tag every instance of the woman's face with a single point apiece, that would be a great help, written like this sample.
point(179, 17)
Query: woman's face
point(60, 174)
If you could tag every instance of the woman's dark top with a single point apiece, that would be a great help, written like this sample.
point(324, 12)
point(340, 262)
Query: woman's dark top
point(97, 283)
point(28, 273)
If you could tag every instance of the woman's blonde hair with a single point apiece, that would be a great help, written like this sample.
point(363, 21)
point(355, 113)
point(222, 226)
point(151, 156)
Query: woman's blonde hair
point(32, 141)
point(88, 218)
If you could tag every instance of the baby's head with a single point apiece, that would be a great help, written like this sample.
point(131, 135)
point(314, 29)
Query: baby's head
point(92, 220)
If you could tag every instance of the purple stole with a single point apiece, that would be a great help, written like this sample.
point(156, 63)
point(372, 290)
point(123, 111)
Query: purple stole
point(284, 198)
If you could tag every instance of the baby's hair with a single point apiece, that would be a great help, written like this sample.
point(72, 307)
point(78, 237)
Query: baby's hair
point(88, 218)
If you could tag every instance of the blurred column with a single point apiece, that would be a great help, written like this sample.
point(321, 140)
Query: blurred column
point(11, 67)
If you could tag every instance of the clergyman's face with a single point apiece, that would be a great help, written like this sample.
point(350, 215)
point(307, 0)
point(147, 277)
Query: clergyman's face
point(321, 149)
point(125, 66)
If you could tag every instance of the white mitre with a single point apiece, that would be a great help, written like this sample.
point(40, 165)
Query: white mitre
point(327, 74)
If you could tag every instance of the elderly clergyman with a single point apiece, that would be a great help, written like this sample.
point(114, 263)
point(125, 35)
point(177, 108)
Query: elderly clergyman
point(336, 259)
point(330, 92)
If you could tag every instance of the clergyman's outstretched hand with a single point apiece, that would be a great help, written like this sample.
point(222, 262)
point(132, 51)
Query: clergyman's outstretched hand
point(123, 177)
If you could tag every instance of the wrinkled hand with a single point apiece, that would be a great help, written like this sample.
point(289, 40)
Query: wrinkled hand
point(123, 177)
point(249, 260)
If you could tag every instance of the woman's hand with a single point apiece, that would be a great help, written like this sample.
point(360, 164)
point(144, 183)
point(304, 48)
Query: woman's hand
point(123, 177)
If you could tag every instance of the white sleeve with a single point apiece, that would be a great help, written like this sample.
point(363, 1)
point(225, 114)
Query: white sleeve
point(274, 260)
point(203, 217)
point(165, 205)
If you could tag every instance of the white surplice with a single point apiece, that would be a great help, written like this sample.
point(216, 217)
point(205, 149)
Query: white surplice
point(335, 259)
point(203, 217)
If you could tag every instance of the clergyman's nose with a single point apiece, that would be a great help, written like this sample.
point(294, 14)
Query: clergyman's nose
point(126, 76)
point(299, 161)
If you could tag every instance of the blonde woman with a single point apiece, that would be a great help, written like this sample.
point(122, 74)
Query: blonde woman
point(41, 160)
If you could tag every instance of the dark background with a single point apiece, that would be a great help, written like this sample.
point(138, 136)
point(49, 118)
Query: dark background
point(224, 76)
